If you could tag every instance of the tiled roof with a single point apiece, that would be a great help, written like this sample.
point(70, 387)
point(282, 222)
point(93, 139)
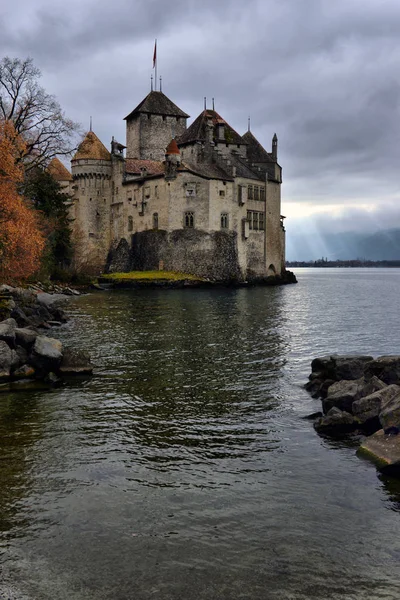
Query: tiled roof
point(58, 171)
point(92, 147)
point(157, 103)
point(255, 152)
point(198, 129)
point(172, 147)
point(135, 166)
point(207, 170)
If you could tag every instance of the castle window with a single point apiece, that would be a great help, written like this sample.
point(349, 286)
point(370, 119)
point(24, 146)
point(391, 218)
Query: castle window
point(256, 192)
point(262, 194)
point(222, 192)
point(130, 223)
point(147, 192)
point(224, 221)
point(189, 219)
point(116, 191)
point(129, 199)
point(163, 118)
point(155, 220)
point(250, 192)
point(156, 191)
point(240, 194)
point(261, 221)
point(255, 221)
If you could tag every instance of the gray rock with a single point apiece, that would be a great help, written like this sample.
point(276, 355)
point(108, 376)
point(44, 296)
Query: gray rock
point(22, 354)
point(21, 318)
point(350, 367)
point(46, 354)
point(75, 362)
point(342, 394)
point(5, 360)
point(7, 331)
point(384, 450)
point(389, 416)
point(336, 422)
point(386, 368)
point(25, 337)
point(50, 299)
point(24, 372)
point(367, 409)
point(4, 288)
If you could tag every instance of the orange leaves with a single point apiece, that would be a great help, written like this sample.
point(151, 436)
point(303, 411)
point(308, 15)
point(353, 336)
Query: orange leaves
point(21, 241)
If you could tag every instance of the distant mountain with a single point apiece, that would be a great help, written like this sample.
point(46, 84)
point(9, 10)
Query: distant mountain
point(381, 245)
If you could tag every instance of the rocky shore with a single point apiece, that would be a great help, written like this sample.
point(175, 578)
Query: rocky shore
point(28, 353)
point(360, 394)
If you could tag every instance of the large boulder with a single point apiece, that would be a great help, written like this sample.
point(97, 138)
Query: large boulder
point(75, 362)
point(384, 449)
point(6, 360)
point(389, 416)
point(325, 370)
point(367, 409)
point(342, 394)
point(336, 422)
point(46, 354)
point(387, 368)
point(7, 331)
point(25, 337)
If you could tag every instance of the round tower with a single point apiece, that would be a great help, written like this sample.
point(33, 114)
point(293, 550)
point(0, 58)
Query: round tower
point(91, 169)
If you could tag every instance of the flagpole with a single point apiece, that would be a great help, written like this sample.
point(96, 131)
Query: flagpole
point(155, 55)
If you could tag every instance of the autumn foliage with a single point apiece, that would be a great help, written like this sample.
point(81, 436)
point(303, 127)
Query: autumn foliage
point(21, 240)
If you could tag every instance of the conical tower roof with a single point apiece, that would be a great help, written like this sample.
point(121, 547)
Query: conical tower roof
point(58, 171)
point(91, 147)
point(172, 147)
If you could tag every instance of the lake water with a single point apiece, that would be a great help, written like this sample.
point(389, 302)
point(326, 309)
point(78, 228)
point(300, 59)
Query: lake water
point(184, 469)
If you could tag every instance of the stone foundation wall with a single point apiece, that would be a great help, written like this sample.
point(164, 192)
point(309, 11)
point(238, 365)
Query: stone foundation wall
point(211, 255)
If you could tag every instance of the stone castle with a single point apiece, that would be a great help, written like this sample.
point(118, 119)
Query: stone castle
point(200, 199)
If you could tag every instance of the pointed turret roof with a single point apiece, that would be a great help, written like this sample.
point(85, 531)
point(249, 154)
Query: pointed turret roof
point(172, 147)
point(91, 147)
point(198, 129)
point(58, 171)
point(255, 152)
point(157, 103)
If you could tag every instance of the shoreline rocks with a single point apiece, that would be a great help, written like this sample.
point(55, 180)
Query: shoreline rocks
point(360, 394)
point(26, 353)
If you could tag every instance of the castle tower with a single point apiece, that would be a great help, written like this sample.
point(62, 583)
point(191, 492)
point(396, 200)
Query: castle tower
point(151, 125)
point(92, 173)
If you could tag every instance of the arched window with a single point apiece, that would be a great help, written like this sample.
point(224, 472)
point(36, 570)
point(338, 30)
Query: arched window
point(130, 223)
point(155, 220)
point(189, 219)
point(224, 221)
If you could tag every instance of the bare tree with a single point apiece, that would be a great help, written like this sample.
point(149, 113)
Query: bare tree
point(37, 116)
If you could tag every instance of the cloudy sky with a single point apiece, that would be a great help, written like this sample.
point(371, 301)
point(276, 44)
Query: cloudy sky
point(322, 74)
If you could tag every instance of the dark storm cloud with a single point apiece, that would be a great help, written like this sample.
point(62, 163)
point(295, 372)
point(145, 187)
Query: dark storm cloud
point(322, 74)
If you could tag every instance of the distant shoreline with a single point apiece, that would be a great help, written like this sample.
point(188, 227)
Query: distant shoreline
point(344, 263)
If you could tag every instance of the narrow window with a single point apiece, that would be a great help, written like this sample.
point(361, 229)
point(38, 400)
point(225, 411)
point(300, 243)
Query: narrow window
point(155, 220)
point(129, 199)
point(255, 221)
point(240, 194)
point(147, 192)
point(256, 192)
point(249, 218)
point(224, 221)
point(222, 192)
point(250, 192)
point(130, 223)
point(262, 194)
point(189, 219)
point(156, 191)
point(261, 221)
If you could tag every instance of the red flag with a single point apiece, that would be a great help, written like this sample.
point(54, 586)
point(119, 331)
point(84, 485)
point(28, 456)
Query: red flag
point(155, 54)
